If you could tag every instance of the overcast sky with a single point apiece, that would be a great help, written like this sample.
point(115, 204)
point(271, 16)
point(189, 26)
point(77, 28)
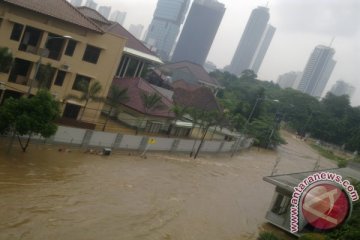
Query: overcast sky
point(300, 24)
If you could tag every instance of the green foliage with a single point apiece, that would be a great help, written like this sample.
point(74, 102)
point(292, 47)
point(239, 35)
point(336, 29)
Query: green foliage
point(267, 236)
point(89, 92)
point(30, 116)
point(151, 101)
point(6, 59)
point(342, 162)
point(312, 236)
point(44, 76)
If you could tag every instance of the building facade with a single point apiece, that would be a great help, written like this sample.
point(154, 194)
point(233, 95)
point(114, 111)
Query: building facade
point(118, 16)
point(289, 80)
point(263, 48)
point(199, 31)
point(76, 3)
point(136, 30)
point(105, 11)
point(55, 33)
point(165, 26)
point(251, 41)
point(317, 71)
point(342, 88)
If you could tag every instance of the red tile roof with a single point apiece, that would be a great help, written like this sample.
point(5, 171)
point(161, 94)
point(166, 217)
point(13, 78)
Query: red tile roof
point(136, 87)
point(197, 70)
point(132, 42)
point(184, 85)
point(200, 98)
point(59, 9)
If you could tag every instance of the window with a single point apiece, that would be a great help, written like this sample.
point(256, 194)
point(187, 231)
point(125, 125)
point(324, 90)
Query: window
point(16, 32)
point(281, 204)
point(81, 82)
point(60, 77)
point(152, 127)
point(91, 54)
point(70, 49)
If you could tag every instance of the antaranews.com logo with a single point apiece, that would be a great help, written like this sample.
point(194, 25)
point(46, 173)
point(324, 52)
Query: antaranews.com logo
point(323, 200)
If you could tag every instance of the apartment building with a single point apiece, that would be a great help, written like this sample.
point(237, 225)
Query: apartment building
point(54, 32)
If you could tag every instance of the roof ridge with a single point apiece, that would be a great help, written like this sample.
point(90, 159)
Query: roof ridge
point(99, 14)
point(82, 15)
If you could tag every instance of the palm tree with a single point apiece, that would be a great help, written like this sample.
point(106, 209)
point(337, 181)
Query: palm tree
point(179, 112)
point(115, 98)
point(6, 59)
point(150, 102)
point(89, 92)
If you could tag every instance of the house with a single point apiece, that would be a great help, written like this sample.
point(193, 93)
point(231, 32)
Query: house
point(136, 58)
point(279, 211)
point(192, 73)
point(54, 32)
point(134, 112)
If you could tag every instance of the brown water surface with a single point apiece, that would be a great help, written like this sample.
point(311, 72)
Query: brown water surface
point(46, 194)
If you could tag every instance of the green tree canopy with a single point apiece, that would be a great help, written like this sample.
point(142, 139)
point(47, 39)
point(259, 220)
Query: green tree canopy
point(29, 116)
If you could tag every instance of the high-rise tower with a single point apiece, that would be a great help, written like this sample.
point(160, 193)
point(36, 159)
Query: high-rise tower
point(254, 40)
point(168, 17)
point(199, 31)
point(317, 71)
point(105, 11)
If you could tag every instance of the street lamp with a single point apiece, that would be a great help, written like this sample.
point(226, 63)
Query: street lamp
point(38, 63)
point(239, 141)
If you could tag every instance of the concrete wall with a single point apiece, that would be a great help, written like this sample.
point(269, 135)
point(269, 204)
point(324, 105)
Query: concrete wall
point(89, 138)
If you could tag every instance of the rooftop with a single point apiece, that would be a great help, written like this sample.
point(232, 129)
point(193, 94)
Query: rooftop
point(59, 9)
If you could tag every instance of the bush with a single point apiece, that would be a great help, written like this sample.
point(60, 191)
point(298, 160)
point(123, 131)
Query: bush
point(312, 236)
point(267, 236)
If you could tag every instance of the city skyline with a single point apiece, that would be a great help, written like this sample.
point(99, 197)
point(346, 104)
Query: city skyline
point(296, 34)
point(251, 41)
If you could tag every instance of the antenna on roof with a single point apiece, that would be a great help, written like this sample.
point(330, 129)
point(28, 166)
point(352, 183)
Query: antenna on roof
point(332, 41)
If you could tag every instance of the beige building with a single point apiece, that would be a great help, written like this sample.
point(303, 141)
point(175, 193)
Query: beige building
point(54, 32)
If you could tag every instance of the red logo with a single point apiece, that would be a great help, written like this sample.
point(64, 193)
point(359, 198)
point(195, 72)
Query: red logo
point(325, 206)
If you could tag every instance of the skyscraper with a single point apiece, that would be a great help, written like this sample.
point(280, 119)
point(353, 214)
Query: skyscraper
point(136, 30)
point(251, 40)
point(317, 71)
point(165, 26)
point(105, 11)
point(199, 31)
point(76, 3)
point(289, 80)
point(91, 4)
point(118, 16)
point(262, 48)
point(342, 88)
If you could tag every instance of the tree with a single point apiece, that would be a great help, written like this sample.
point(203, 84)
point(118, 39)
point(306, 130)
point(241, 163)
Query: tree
point(44, 76)
point(6, 59)
point(179, 112)
point(115, 98)
point(89, 92)
point(151, 102)
point(29, 116)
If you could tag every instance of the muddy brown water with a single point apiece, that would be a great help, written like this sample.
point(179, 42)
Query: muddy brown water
point(46, 194)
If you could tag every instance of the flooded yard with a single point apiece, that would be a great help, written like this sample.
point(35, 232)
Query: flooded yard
point(46, 194)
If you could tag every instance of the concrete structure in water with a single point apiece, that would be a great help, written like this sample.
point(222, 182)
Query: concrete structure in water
point(199, 31)
point(317, 71)
point(165, 26)
point(254, 42)
point(34, 31)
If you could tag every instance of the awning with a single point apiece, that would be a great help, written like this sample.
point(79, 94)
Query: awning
point(146, 56)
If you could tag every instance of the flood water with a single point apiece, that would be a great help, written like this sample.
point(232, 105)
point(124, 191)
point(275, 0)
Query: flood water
point(46, 194)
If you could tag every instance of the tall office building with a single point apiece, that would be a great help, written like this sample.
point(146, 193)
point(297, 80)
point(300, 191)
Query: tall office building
point(165, 26)
point(342, 88)
point(76, 3)
point(105, 11)
point(91, 4)
point(253, 40)
point(118, 16)
point(262, 48)
point(317, 71)
point(136, 30)
point(199, 31)
point(289, 80)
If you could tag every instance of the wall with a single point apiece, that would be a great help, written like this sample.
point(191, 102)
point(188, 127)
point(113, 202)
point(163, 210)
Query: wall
point(116, 141)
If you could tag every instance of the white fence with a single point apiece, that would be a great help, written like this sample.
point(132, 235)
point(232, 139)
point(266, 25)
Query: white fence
point(89, 138)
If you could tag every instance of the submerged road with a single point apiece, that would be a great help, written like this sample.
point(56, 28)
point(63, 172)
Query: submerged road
point(46, 194)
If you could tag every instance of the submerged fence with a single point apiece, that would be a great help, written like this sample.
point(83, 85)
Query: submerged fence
point(89, 138)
